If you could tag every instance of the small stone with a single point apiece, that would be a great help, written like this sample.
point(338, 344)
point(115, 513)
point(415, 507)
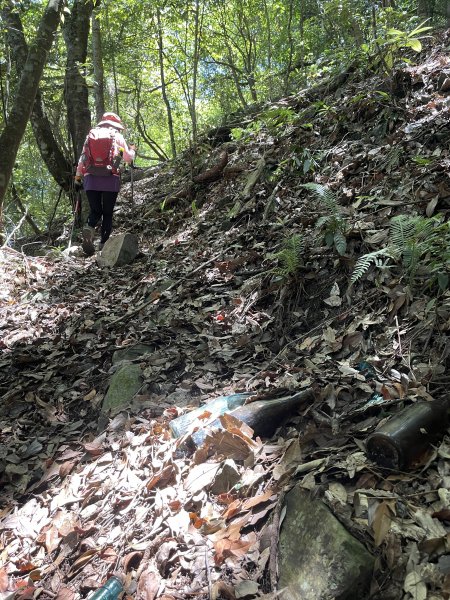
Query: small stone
point(118, 250)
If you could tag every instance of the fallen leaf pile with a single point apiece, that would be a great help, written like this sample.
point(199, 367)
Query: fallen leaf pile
point(206, 296)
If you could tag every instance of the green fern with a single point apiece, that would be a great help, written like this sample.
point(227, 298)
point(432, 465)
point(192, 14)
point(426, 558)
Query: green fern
point(325, 195)
point(415, 241)
point(333, 225)
point(364, 262)
point(290, 257)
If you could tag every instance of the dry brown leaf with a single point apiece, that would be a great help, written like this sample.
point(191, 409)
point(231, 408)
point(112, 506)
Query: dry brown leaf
point(148, 585)
point(381, 521)
point(132, 560)
point(26, 593)
point(82, 560)
point(67, 467)
point(228, 444)
point(165, 477)
point(90, 395)
point(231, 423)
point(227, 548)
point(94, 448)
point(220, 589)
point(52, 539)
point(3, 580)
point(251, 502)
point(232, 509)
point(66, 593)
point(201, 477)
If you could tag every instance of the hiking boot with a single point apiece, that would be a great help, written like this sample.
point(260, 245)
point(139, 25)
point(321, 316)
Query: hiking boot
point(88, 240)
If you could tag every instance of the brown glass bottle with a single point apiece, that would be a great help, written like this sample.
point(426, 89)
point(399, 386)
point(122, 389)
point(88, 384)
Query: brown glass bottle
point(263, 416)
point(407, 435)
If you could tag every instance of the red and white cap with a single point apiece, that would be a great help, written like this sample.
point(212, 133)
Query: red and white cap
point(110, 118)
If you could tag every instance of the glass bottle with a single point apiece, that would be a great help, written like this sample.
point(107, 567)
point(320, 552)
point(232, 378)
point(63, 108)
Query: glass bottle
point(110, 591)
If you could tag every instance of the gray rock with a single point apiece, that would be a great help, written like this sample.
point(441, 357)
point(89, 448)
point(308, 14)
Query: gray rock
point(118, 250)
point(318, 558)
point(131, 353)
point(124, 384)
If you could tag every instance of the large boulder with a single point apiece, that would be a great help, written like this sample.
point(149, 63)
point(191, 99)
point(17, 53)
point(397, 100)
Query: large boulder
point(318, 558)
point(124, 385)
point(119, 250)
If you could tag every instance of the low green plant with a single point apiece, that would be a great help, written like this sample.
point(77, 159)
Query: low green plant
point(333, 224)
point(422, 161)
point(420, 244)
point(290, 257)
point(387, 47)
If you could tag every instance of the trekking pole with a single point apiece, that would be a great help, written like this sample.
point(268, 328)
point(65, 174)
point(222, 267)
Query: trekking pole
point(76, 212)
point(132, 184)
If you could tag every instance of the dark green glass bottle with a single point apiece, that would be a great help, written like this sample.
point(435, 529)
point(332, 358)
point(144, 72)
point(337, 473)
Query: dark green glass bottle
point(110, 591)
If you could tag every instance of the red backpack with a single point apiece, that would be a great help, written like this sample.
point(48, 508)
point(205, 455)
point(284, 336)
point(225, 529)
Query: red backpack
point(101, 143)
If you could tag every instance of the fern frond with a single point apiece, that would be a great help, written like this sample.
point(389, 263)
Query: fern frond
point(364, 262)
point(340, 243)
point(402, 229)
point(290, 257)
point(324, 194)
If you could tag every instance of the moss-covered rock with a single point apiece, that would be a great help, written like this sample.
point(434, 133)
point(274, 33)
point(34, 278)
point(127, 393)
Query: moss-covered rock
point(124, 384)
point(318, 558)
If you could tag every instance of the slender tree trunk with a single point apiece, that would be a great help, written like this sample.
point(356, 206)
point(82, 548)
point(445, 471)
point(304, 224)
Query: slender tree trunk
point(12, 134)
point(97, 62)
point(76, 32)
point(112, 46)
point(163, 84)
point(4, 87)
point(269, 49)
point(23, 210)
point(196, 57)
point(291, 46)
point(51, 153)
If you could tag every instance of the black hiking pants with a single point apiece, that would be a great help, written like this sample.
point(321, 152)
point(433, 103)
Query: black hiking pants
point(102, 207)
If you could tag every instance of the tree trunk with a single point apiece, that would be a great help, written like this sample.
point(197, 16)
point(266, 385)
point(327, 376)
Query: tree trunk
point(76, 32)
point(13, 131)
point(59, 167)
point(291, 47)
point(23, 210)
point(97, 63)
point(4, 88)
point(163, 84)
point(198, 26)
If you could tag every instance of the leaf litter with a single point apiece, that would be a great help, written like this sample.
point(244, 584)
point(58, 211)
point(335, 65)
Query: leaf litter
point(81, 501)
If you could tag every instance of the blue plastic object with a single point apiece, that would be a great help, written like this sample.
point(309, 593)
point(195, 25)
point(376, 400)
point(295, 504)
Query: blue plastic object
point(110, 591)
point(216, 407)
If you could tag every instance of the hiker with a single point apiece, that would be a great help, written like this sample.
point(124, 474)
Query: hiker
point(98, 172)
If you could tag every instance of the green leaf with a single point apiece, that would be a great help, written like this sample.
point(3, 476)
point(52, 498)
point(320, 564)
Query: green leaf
point(329, 238)
point(443, 279)
point(340, 243)
point(415, 44)
point(395, 32)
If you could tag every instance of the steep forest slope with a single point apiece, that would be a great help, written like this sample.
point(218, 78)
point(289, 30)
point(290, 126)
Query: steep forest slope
point(248, 280)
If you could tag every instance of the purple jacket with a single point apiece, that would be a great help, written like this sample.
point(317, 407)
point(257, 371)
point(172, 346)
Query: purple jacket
point(100, 183)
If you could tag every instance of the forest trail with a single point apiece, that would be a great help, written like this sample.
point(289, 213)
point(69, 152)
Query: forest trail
point(238, 287)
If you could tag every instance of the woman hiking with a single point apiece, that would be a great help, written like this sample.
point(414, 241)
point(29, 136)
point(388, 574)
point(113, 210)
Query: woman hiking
point(98, 172)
